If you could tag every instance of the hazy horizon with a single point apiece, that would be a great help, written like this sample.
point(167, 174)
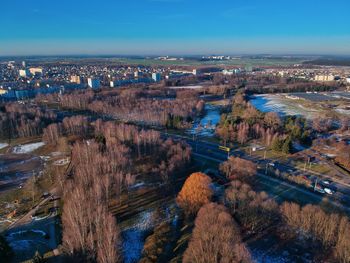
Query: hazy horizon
point(177, 27)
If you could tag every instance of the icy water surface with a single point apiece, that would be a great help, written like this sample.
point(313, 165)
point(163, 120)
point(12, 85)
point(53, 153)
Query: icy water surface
point(206, 125)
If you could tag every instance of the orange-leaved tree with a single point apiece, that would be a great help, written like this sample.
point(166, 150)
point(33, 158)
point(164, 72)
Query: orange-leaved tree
point(195, 193)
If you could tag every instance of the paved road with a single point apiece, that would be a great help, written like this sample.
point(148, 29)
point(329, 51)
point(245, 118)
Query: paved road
point(210, 151)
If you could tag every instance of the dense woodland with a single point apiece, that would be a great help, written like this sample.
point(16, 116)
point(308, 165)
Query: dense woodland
point(259, 84)
point(103, 167)
point(151, 107)
point(23, 120)
point(245, 123)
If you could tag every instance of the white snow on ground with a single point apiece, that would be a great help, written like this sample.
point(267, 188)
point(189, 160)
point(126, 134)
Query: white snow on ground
point(135, 186)
point(54, 154)
point(3, 145)
point(134, 235)
point(27, 148)
point(282, 106)
point(45, 158)
point(61, 162)
point(206, 126)
point(343, 111)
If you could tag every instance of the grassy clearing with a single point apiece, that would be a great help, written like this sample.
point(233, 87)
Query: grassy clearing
point(318, 168)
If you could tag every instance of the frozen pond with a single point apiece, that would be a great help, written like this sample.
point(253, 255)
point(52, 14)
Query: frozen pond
point(26, 242)
point(280, 104)
point(206, 125)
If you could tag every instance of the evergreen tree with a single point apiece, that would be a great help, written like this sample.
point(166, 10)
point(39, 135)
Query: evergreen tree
point(276, 144)
point(287, 145)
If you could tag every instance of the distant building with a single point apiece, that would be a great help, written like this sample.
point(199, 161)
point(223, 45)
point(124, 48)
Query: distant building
point(137, 74)
point(3, 91)
point(94, 83)
point(75, 79)
point(230, 71)
point(348, 80)
point(324, 78)
point(23, 64)
point(248, 68)
point(195, 72)
point(121, 82)
point(24, 73)
point(156, 77)
point(36, 71)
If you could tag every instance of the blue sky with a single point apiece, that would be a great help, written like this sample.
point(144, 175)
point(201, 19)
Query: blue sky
point(42, 27)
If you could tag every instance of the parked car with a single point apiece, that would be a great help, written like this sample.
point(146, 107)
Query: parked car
point(328, 191)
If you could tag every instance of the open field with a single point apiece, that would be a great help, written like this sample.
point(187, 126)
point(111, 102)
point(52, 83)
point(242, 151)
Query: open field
point(320, 105)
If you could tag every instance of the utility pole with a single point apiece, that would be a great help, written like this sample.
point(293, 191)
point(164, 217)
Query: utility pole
point(315, 184)
point(265, 155)
point(266, 168)
point(307, 162)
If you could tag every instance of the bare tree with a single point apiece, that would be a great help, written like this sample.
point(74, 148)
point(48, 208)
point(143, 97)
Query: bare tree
point(215, 238)
point(237, 168)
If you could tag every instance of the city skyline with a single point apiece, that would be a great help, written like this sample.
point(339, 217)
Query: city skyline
point(177, 27)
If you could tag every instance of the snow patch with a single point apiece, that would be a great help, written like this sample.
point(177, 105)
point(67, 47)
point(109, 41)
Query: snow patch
point(3, 145)
point(281, 105)
point(61, 162)
point(27, 148)
point(206, 126)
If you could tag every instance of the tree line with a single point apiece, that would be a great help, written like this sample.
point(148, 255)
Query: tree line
point(144, 106)
point(23, 120)
point(267, 83)
point(103, 167)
